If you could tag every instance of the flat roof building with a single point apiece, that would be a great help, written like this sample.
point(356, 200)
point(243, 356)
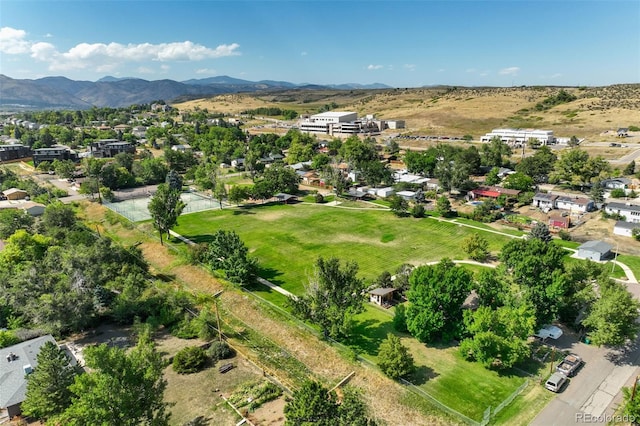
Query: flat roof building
point(520, 136)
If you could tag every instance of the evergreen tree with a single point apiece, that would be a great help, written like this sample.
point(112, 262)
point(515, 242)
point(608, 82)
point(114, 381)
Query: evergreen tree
point(48, 391)
point(394, 359)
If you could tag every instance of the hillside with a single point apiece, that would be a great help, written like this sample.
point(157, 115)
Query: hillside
point(457, 111)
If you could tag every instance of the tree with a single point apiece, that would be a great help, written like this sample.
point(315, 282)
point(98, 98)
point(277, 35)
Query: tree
point(228, 253)
point(499, 337)
point(443, 206)
point(597, 192)
point(476, 246)
point(436, 296)
point(576, 167)
point(165, 207)
point(48, 391)
point(398, 205)
point(400, 318)
point(13, 219)
point(492, 177)
point(418, 211)
point(220, 192)
point(612, 318)
point(630, 169)
point(519, 181)
point(174, 180)
point(394, 359)
point(64, 168)
point(189, 360)
point(384, 280)
point(630, 404)
point(121, 388)
point(491, 288)
point(333, 297)
point(312, 404)
point(541, 232)
point(238, 194)
point(494, 152)
point(539, 165)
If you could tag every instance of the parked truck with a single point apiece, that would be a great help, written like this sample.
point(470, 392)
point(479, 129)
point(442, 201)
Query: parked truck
point(569, 365)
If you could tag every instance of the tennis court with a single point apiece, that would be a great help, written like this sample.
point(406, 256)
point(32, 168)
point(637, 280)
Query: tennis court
point(136, 210)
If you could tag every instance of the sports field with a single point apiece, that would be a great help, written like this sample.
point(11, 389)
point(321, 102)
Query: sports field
point(287, 239)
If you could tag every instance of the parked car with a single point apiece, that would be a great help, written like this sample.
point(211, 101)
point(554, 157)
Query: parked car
point(555, 382)
point(569, 365)
point(547, 331)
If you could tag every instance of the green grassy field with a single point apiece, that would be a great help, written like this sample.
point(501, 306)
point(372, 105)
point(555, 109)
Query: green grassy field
point(287, 239)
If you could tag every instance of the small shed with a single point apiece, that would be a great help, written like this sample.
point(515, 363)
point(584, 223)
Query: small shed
point(594, 250)
point(285, 198)
point(382, 296)
point(34, 209)
point(15, 194)
point(562, 222)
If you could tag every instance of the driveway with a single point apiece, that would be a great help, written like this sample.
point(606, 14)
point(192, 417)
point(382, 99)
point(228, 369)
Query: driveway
point(589, 395)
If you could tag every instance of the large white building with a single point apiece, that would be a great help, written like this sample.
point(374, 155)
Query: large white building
point(341, 123)
point(520, 135)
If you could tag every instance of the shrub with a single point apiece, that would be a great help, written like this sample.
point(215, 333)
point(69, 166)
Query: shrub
point(564, 235)
point(618, 193)
point(417, 210)
point(221, 350)
point(319, 198)
point(189, 360)
point(8, 338)
point(400, 318)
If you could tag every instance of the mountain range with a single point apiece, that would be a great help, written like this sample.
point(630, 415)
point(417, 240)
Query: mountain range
point(64, 93)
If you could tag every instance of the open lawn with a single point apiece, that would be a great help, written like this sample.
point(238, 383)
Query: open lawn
point(287, 239)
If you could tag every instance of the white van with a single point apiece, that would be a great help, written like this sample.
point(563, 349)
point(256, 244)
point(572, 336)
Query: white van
point(555, 382)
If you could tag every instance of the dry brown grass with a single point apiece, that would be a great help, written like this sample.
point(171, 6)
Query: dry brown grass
point(459, 111)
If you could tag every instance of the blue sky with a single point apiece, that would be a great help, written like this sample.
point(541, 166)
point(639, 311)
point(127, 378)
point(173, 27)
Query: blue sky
point(398, 43)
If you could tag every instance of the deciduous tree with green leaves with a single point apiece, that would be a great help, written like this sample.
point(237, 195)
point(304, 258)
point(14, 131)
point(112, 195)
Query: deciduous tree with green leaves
point(476, 246)
point(436, 296)
point(165, 207)
point(333, 297)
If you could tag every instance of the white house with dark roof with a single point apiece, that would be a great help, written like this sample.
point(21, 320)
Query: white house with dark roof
point(544, 200)
point(594, 250)
point(630, 212)
point(574, 204)
point(16, 362)
point(625, 228)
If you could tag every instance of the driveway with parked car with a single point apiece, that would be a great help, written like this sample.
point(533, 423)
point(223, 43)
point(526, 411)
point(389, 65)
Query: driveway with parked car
point(591, 390)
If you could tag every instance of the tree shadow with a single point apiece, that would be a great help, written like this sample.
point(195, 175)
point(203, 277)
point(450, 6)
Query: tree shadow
point(421, 375)
point(243, 211)
point(626, 355)
point(270, 275)
point(167, 278)
point(200, 239)
point(366, 336)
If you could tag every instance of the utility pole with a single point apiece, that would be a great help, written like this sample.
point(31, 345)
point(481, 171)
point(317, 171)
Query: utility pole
point(215, 301)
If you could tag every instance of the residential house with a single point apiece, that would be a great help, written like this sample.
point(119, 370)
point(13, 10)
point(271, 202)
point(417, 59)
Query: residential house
point(545, 201)
point(237, 163)
point(14, 152)
point(623, 132)
point(384, 192)
point(181, 148)
point(407, 195)
point(616, 183)
point(493, 192)
point(61, 153)
point(16, 362)
point(109, 148)
point(574, 204)
point(594, 250)
point(432, 185)
point(630, 212)
point(625, 228)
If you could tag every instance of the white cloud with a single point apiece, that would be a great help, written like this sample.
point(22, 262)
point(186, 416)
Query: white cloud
point(441, 70)
point(509, 71)
point(145, 70)
point(303, 53)
point(374, 67)
point(556, 75)
point(471, 70)
point(101, 56)
point(12, 41)
point(410, 67)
